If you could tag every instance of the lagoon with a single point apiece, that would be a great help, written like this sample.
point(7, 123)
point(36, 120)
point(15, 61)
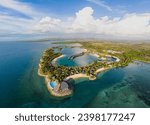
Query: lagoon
point(81, 60)
point(78, 61)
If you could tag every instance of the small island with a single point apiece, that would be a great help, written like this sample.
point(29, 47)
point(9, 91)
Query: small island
point(59, 78)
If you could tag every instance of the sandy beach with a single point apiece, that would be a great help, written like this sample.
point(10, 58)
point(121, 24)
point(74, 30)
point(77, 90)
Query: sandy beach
point(117, 59)
point(54, 60)
point(50, 89)
point(85, 50)
point(76, 76)
point(81, 75)
point(96, 55)
point(39, 72)
point(101, 70)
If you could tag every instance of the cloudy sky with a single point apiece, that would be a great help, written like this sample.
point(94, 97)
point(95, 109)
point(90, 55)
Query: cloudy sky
point(94, 18)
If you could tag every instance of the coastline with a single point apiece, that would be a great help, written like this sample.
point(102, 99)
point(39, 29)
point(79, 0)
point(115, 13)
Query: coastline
point(85, 50)
point(39, 73)
point(81, 75)
point(75, 76)
point(53, 92)
point(55, 60)
point(57, 91)
point(50, 89)
point(96, 55)
point(101, 70)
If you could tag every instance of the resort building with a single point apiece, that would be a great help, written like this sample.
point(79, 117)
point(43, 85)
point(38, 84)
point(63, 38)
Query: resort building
point(64, 86)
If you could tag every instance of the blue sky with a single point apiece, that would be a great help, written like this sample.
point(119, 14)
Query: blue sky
point(51, 16)
point(69, 7)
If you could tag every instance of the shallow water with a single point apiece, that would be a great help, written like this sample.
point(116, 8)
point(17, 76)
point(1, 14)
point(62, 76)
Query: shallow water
point(20, 86)
point(132, 91)
point(78, 61)
point(83, 60)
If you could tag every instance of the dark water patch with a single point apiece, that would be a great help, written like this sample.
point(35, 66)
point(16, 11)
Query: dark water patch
point(131, 91)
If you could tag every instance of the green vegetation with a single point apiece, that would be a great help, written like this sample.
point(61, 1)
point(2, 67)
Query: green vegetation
point(124, 51)
point(61, 72)
point(130, 51)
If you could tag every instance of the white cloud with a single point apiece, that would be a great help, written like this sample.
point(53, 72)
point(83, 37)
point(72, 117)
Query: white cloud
point(20, 7)
point(133, 24)
point(15, 24)
point(10, 24)
point(130, 24)
point(101, 4)
point(48, 24)
point(82, 23)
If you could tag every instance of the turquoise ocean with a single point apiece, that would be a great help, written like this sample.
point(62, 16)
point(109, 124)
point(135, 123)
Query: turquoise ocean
point(20, 85)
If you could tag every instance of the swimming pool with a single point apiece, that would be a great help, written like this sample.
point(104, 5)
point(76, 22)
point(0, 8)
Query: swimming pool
point(52, 84)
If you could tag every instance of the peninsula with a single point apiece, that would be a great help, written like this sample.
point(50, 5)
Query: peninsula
point(58, 77)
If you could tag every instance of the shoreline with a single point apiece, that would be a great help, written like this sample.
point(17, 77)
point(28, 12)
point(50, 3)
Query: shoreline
point(96, 55)
point(101, 70)
point(56, 91)
point(85, 50)
point(75, 76)
point(81, 75)
point(55, 60)
point(39, 73)
point(50, 89)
